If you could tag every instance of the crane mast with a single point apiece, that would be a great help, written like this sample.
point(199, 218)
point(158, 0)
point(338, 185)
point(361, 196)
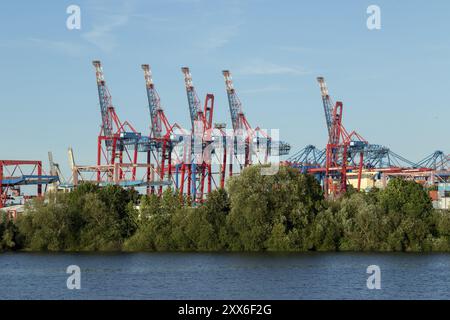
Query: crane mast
point(104, 100)
point(193, 100)
point(198, 169)
point(154, 102)
point(234, 103)
point(239, 123)
point(341, 146)
point(327, 104)
point(161, 132)
point(242, 127)
point(121, 140)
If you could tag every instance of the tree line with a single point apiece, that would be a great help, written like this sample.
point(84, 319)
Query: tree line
point(282, 212)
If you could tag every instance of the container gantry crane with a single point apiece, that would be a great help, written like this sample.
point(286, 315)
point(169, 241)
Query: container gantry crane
point(244, 132)
point(198, 164)
point(17, 173)
point(433, 161)
point(307, 158)
point(341, 146)
point(117, 142)
point(163, 137)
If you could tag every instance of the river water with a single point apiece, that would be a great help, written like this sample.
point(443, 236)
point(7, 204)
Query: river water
point(224, 276)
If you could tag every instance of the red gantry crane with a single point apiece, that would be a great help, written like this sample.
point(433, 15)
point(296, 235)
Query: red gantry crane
point(246, 137)
point(117, 141)
point(198, 164)
point(118, 145)
point(339, 145)
point(17, 173)
point(162, 136)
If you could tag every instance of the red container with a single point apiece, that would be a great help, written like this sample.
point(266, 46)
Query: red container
point(434, 195)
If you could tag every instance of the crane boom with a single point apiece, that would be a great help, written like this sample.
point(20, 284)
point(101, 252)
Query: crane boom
point(327, 104)
point(239, 120)
point(104, 99)
point(193, 100)
point(154, 102)
point(233, 101)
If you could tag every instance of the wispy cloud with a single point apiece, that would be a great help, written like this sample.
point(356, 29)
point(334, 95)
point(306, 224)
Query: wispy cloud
point(260, 67)
point(218, 28)
point(151, 18)
point(65, 47)
point(220, 36)
point(266, 89)
point(102, 34)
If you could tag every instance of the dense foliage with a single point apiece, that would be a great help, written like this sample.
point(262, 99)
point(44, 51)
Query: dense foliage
point(281, 212)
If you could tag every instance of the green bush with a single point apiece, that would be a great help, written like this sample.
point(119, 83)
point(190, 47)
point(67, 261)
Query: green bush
point(287, 201)
point(10, 238)
point(89, 218)
point(281, 212)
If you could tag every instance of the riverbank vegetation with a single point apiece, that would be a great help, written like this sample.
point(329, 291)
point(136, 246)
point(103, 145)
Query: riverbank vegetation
point(282, 212)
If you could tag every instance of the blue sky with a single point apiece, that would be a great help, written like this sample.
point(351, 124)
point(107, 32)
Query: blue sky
point(393, 81)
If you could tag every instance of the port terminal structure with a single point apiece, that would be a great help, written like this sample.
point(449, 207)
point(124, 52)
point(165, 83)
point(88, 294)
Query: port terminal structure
point(15, 174)
point(167, 156)
point(349, 159)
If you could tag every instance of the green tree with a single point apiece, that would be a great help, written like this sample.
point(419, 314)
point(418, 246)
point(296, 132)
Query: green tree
point(10, 238)
point(278, 239)
point(259, 201)
point(216, 209)
point(440, 230)
point(192, 231)
point(154, 226)
point(327, 230)
point(47, 225)
point(361, 223)
point(103, 227)
point(409, 209)
point(117, 200)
